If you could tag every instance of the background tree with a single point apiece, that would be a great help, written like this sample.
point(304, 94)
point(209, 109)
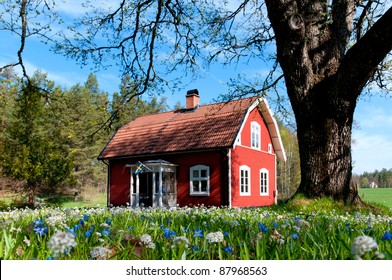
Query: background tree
point(289, 172)
point(326, 52)
point(31, 150)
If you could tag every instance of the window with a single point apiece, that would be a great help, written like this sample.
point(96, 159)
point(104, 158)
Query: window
point(263, 181)
point(255, 135)
point(200, 180)
point(244, 180)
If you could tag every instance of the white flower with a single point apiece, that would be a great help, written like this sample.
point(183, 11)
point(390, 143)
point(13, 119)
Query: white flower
point(214, 237)
point(61, 243)
point(362, 245)
point(27, 241)
point(178, 240)
point(99, 253)
point(146, 240)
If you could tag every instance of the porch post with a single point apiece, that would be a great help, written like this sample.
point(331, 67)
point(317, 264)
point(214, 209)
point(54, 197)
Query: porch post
point(137, 195)
point(160, 187)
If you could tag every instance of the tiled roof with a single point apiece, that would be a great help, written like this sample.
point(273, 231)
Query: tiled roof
point(206, 127)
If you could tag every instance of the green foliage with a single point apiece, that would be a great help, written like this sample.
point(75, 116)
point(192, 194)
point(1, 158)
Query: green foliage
point(31, 152)
point(382, 178)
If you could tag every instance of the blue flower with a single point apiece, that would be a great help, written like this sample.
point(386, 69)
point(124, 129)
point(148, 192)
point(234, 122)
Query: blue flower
point(276, 224)
point(387, 236)
point(71, 230)
point(198, 233)
point(41, 230)
point(228, 249)
point(262, 227)
point(38, 222)
point(226, 233)
point(85, 217)
point(88, 233)
point(168, 233)
point(105, 232)
point(195, 248)
point(108, 221)
point(130, 228)
point(169, 221)
point(81, 222)
point(294, 236)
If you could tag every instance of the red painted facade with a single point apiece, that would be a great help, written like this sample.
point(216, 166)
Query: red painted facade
point(254, 159)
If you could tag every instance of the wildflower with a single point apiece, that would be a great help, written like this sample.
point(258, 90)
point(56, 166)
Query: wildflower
point(215, 237)
point(168, 233)
point(41, 230)
point(146, 240)
point(27, 241)
point(234, 223)
point(362, 245)
point(179, 240)
point(61, 243)
point(105, 232)
point(262, 227)
point(294, 236)
point(228, 249)
point(198, 233)
point(226, 233)
point(71, 230)
point(195, 248)
point(99, 253)
point(387, 236)
point(88, 233)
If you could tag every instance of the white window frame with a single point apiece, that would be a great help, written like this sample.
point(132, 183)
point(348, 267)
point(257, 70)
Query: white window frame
point(200, 179)
point(255, 135)
point(244, 180)
point(264, 182)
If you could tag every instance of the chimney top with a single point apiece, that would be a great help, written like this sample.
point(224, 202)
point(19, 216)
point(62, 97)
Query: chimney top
point(192, 99)
point(192, 92)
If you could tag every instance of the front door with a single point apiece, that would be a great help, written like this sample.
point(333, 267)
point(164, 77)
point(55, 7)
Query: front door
point(146, 183)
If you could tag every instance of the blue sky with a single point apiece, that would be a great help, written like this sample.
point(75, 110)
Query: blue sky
point(372, 146)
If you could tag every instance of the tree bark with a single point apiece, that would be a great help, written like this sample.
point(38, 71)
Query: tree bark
point(323, 83)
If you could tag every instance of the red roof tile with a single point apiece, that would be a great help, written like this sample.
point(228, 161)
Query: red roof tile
point(207, 127)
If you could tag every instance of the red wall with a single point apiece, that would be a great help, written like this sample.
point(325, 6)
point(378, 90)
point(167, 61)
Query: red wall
point(216, 160)
point(243, 154)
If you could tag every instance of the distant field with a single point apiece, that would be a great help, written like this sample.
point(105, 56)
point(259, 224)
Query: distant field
point(382, 196)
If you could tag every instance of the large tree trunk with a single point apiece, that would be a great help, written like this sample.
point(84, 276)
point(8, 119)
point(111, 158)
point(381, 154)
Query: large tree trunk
point(323, 81)
point(324, 137)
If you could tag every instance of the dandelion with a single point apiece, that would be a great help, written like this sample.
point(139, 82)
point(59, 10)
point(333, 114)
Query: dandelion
point(100, 253)
point(362, 245)
point(61, 243)
point(214, 237)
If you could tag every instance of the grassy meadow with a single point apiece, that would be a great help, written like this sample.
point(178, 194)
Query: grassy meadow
point(301, 229)
point(382, 196)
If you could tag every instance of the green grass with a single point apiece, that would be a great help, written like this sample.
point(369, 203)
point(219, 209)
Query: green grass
point(302, 229)
point(381, 196)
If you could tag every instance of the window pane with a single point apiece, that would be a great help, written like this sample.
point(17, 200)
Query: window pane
point(204, 173)
point(203, 185)
point(195, 174)
point(195, 186)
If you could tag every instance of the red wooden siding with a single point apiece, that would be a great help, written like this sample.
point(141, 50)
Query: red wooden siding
point(256, 160)
point(216, 160)
point(119, 183)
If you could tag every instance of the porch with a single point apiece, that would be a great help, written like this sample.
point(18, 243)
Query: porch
point(153, 184)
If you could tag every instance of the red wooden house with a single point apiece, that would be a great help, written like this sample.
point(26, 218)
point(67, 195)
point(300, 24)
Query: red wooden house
point(221, 154)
